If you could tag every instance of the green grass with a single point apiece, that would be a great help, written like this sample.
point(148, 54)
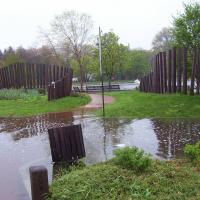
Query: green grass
point(13, 94)
point(136, 104)
point(169, 180)
point(39, 105)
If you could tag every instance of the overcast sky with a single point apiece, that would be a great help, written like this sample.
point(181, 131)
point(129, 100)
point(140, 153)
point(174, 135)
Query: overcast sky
point(135, 21)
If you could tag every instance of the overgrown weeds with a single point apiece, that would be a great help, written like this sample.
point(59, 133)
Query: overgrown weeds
point(132, 158)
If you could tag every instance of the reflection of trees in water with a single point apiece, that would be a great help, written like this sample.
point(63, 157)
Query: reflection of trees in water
point(31, 126)
point(111, 130)
point(111, 126)
point(174, 134)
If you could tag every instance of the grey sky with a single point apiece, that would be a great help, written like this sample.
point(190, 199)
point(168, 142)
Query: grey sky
point(135, 21)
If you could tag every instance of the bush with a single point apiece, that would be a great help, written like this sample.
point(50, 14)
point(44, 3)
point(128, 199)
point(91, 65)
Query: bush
point(132, 158)
point(193, 152)
point(14, 94)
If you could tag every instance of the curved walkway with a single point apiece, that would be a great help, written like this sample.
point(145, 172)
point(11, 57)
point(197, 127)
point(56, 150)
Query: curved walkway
point(96, 101)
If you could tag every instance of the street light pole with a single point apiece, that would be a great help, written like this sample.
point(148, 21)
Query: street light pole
point(101, 72)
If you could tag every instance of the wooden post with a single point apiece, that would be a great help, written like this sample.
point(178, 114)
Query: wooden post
point(165, 70)
point(169, 70)
point(161, 71)
point(198, 71)
point(179, 76)
point(193, 72)
point(174, 70)
point(39, 182)
point(185, 71)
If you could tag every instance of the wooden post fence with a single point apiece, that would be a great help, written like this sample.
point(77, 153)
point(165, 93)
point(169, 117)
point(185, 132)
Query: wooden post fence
point(169, 72)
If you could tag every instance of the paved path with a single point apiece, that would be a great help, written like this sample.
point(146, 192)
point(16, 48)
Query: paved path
point(96, 101)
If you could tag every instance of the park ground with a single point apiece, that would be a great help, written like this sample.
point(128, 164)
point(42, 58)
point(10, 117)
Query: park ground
point(166, 180)
point(128, 104)
point(137, 104)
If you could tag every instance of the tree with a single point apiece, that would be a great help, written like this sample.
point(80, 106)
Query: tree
point(139, 63)
point(10, 57)
point(72, 30)
point(113, 54)
point(163, 40)
point(124, 61)
point(187, 26)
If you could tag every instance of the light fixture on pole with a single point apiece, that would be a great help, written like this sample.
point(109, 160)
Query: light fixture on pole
point(101, 72)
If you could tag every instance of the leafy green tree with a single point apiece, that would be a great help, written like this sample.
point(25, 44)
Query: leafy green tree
point(187, 26)
point(10, 57)
point(163, 40)
point(113, 55)
point(124, 61)
point(139, 63)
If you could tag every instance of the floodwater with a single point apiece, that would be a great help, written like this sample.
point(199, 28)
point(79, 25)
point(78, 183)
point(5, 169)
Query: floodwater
point(24, 143)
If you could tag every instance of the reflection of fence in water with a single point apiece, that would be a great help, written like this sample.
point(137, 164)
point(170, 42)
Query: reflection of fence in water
point(38, 125)
point(173, 135)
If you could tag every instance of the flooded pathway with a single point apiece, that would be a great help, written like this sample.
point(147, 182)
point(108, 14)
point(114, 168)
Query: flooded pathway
point(24, 142)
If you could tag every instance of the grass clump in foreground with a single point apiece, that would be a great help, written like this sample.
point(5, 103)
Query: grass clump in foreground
point(135, 104)
point(39, 104)
point(192, 151)
point(165, 180)
point(132, 158)
point(13, 94)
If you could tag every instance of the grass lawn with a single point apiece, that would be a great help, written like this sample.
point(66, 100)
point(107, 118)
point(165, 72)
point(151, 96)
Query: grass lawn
point(38, 105)
point(163, 181)
point(136, 104)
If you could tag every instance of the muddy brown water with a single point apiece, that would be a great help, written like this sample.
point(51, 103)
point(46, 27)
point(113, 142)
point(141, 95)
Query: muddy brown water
point(24, 142)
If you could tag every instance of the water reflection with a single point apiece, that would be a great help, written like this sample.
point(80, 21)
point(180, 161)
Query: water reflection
point(24, 142)
point(174, 134)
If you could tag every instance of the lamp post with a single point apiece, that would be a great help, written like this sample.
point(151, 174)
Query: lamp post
point(101, 71)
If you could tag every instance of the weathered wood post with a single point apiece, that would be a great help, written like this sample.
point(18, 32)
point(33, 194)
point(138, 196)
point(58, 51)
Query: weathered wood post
point(193, 72)
point(174, 70)
point(165, 70)
point(169, 70)
point(179, 76)
point(185, 71)
point(161, 71)
point(39, 182)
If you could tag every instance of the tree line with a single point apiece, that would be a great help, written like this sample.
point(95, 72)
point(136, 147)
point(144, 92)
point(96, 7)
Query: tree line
point(69, 41)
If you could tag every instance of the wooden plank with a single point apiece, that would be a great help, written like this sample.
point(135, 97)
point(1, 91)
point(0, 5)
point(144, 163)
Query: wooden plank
point(198, 71)
point(169, 71)
point(179, 75)
point(193, 72)
point(165, 70)
point(185, 70)
point(54, 73)
point(161, 72)
point(174, 70)
point(1, 79)
point(39, 182)
point(52, 141)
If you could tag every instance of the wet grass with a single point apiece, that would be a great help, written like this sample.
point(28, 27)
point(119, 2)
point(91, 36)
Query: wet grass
point(165, 180)
point(136, 104)
point(39, 104)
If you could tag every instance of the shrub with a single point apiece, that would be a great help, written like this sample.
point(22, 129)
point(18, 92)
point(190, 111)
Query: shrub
point(193, 152)
point(132, 158)
point(14, 94)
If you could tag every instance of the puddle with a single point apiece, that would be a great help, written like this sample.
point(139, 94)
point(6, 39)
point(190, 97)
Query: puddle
point(24, 142)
